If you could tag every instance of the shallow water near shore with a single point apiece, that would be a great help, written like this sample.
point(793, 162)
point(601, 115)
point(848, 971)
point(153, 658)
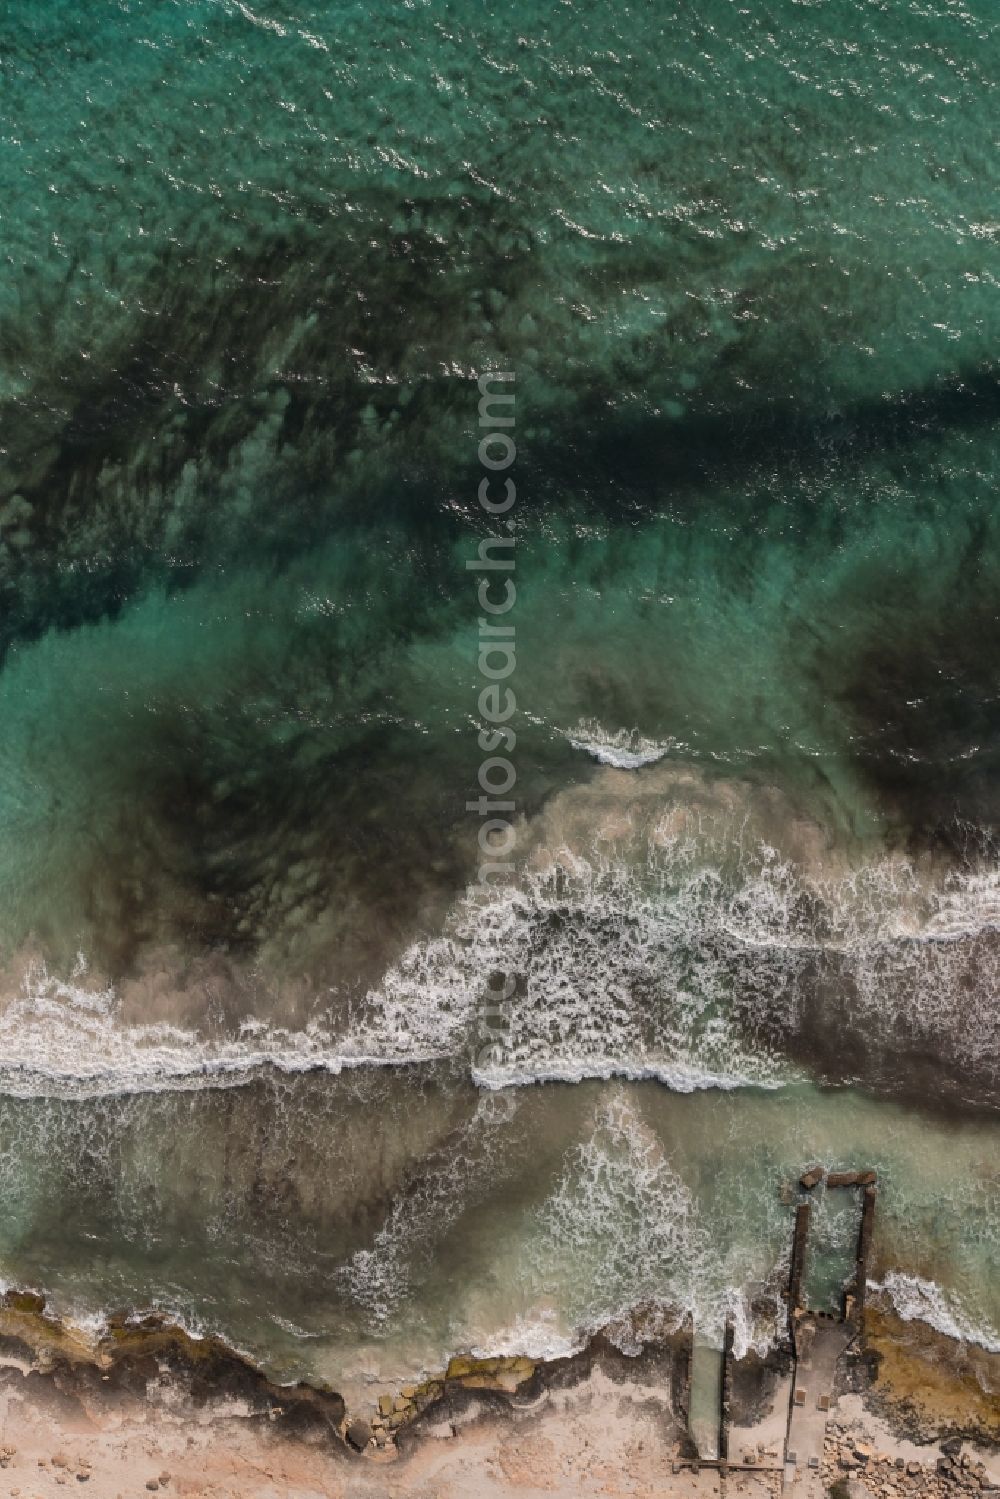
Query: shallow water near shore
point(363, 1228)
point(743, 268)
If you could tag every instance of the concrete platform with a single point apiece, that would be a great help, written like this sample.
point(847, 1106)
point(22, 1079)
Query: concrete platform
point(819, 1345)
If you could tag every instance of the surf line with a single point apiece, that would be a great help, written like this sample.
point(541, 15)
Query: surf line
point(496, 595)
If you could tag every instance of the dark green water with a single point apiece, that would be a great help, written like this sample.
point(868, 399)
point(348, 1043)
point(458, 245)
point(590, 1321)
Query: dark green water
point(743, 264)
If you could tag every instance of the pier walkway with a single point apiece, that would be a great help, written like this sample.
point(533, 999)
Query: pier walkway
point(820, 1343)
point(790, 1440)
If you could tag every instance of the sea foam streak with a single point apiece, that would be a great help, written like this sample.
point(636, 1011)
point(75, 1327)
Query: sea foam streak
point(625, 1231)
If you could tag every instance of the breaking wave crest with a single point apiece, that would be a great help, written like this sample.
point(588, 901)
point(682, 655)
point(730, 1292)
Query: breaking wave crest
point(60, 1038)
point(702, 973)
point(622, 749)
point(698, 971)
point(919, 1300)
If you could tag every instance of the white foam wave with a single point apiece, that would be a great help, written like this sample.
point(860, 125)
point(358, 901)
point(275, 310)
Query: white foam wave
point(623, 1230)
point(452, 1180)
point(604, 974)
point(682, 1078)
point(692, 965)
point(919, 1300)
point(59, 1038)
point(623, 749)
point(967, 906)
point(538, 1337)
point(696, 971)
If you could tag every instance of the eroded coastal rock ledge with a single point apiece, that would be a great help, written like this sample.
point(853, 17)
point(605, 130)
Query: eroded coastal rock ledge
point(925, 1386)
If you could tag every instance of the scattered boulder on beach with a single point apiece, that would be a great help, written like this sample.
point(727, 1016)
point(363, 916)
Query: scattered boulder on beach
point(359, 1434)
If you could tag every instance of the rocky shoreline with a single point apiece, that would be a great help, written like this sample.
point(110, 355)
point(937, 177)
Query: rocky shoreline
point(141, 1356)
point(928, 1385)
point(913, 1385)
point(849, 1460)
point(135, 1352)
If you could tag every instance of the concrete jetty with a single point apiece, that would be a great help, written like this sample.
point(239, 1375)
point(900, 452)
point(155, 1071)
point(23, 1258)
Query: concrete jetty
point(792, 1442)
point(820, 1340)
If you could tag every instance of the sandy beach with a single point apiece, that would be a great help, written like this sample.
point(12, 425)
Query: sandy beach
point(598, 1424)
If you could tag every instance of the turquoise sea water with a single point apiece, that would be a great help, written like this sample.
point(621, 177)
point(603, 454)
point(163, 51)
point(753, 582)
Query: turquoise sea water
point(743, 263)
